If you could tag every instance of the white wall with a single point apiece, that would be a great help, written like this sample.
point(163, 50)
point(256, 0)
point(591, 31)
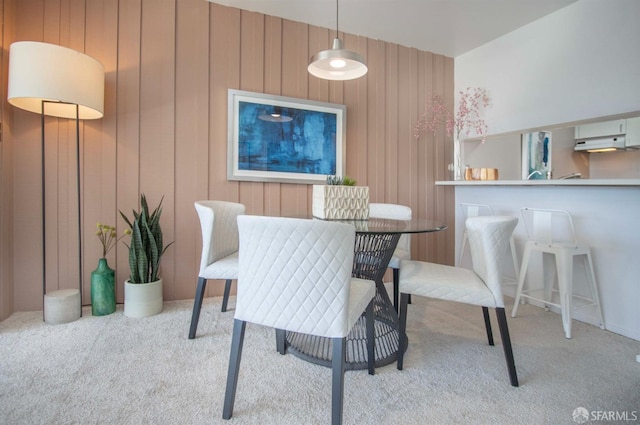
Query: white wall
point(578, 63)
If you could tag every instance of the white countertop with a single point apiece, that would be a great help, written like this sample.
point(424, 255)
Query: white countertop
point(569, 182)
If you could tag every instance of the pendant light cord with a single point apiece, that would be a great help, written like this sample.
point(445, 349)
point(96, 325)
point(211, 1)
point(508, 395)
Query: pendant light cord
point(337, 33)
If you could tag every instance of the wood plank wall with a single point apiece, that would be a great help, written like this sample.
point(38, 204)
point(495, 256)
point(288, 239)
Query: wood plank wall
point(169, 64)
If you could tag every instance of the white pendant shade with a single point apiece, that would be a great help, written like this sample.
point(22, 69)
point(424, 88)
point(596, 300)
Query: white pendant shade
point(42, 71)
point(337, 63)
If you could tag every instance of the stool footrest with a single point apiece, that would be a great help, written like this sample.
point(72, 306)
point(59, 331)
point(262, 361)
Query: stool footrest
point(586, 301)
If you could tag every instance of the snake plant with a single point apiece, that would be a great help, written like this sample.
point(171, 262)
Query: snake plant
point(145, 250)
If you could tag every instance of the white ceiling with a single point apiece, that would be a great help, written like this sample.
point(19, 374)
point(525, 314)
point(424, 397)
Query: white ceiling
point(446, 27)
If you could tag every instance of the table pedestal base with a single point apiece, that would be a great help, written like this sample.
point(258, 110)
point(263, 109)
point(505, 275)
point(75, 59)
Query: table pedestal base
point(317, 349)
point(372, 255)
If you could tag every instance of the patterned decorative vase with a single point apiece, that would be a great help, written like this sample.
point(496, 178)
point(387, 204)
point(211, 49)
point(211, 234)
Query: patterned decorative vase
point(103, 289)
point(333, 202)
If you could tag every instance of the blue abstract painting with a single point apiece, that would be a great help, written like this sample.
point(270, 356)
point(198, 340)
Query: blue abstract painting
point(286, 139)
point(283, 139)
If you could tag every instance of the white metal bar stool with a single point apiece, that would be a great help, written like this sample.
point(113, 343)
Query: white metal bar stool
point(475, 210)
point(552, 233)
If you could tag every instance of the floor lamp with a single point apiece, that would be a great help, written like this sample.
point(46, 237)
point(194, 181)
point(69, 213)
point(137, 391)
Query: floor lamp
point(56, 81)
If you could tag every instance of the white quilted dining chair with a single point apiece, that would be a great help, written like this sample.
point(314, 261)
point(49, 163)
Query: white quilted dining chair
point(474, 210)
point(403, 249)
point(219, 259)
point(295, 276)
point(488, 239)
point(470, 210)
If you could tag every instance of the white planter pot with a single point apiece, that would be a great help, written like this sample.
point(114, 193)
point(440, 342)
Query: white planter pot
point(142, 299)
point(340, 202)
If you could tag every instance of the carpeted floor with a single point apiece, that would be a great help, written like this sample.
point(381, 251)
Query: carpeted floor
point(117, 370)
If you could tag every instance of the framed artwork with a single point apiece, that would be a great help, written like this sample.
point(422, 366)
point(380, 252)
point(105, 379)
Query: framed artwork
point(536, 155)
point(282, 139)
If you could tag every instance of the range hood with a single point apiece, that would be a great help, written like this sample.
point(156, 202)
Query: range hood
point(605, 144)
point(608, 136)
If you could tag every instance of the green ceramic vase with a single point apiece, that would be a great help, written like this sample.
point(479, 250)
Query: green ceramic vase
point(103, 289)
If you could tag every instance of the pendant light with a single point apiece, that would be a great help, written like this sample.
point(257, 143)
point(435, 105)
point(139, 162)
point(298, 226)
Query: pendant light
point(337, 63)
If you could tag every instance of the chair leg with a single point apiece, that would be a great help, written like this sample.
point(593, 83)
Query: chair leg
point(550, 276)
point(514, 256)
point(463, 244)
point(396, 286)
point(234, 367)
point(337, 386)
point(564, 266)
point(506, 344)
point(402, 331)
point(487, 324)
point(371, 339)
point(523, 273)
point(197, 306)
point(591, 277)
point(281, 342)
point(225, 297)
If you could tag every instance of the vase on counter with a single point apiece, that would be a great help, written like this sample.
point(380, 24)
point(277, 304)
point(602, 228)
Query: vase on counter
point(103, 289)
point(456, 167)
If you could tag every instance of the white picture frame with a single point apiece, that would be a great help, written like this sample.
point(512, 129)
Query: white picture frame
point(281, 139)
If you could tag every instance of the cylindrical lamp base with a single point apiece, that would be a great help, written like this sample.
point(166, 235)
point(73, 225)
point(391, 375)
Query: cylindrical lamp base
point(62, 306)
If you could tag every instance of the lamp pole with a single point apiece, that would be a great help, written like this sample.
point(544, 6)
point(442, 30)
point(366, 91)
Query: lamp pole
point(44, 210)
point(79, 204)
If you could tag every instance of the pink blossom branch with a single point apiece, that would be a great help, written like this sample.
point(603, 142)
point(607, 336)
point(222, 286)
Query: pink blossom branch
point(467, 117)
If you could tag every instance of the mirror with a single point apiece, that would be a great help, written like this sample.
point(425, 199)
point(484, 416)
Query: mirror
point(504, 152)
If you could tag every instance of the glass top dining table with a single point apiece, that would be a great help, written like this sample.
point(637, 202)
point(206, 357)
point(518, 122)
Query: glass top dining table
point(376, 240)
point(388, 226)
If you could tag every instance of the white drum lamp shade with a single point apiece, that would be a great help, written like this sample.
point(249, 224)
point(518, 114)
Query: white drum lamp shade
point(42, 71)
